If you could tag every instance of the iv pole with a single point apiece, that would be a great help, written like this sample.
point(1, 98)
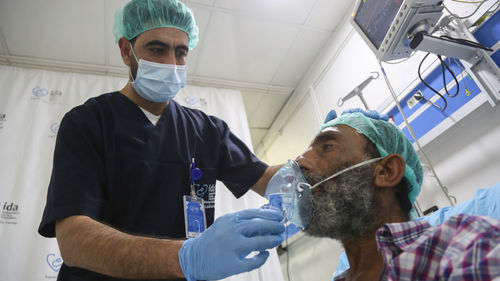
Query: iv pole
point(358, 91)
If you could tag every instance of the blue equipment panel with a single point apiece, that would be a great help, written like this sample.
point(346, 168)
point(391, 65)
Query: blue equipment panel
point(488, 34)
point(432, 116)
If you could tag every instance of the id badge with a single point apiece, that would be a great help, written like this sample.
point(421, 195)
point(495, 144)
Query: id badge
point(194, 216)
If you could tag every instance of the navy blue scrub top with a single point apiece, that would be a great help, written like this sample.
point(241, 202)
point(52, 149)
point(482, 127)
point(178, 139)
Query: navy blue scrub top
point(112, 164)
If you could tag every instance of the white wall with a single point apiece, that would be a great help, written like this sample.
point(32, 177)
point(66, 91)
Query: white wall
point(466, 156)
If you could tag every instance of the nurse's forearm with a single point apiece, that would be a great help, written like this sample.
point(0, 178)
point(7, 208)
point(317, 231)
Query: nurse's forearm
point(94, 246)
point(260, 186)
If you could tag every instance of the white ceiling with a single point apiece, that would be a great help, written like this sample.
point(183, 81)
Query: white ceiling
point(261, 47)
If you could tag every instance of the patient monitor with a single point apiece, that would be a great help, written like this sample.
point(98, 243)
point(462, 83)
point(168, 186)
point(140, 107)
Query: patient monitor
point(394, 29)
point(388, 26)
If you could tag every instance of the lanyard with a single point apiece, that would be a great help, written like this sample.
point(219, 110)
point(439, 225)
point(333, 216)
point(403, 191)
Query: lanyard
point(194, 175)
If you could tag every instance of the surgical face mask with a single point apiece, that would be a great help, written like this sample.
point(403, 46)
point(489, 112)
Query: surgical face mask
point(290, 184)
point(158, 82)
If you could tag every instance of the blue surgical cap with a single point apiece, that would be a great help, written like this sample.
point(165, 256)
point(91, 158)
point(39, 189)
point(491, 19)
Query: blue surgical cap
point(138, 16)
point(388, 139)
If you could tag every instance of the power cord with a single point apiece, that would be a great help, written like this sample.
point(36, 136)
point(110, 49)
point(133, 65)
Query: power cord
point(471, 14)
point(494, 10)
point(465, 42)
point(429, 86)
point(443, 66)
point(464, 75)
point(469, 2)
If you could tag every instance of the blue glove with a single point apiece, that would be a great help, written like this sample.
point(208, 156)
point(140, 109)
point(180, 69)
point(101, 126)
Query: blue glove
point(221, 250)
point(368, 113)
point(330, 116)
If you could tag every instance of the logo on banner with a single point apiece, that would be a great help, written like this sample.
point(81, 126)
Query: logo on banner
point(3, 118)
point(202, 190)
point(195, 102)
point(54, 128)
point(46, 95)
point(9, 213)
point(54, 261)
point(40, 92)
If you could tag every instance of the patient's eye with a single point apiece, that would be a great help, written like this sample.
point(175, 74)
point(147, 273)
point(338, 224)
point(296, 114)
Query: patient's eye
point(327, 146)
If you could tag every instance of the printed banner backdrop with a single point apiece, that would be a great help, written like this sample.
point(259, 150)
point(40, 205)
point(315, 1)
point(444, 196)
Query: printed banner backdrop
point(32, 103)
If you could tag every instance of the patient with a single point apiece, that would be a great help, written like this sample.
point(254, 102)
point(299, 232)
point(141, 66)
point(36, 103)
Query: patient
point(368, 209)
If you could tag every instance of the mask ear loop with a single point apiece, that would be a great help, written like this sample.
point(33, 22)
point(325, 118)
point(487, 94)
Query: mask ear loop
point(347, 169)
point(135, 57)
point(302, 186)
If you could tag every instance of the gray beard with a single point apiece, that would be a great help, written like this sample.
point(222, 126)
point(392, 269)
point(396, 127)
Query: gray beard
point(346, 206)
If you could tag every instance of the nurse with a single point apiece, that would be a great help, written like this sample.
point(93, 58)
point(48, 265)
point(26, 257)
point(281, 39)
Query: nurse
point(134, 172)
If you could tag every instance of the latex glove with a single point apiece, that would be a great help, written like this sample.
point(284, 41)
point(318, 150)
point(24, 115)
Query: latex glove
point(368, 113)
point(221, 250)
point(330, 116)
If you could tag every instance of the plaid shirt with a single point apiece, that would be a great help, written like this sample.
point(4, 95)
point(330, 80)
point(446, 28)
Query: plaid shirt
point(464, 247)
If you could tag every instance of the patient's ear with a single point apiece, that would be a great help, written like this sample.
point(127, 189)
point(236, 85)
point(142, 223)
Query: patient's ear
point(389, 171)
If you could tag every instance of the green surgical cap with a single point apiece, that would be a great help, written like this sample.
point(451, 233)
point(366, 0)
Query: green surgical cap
point(138, 16)
point(388, 139)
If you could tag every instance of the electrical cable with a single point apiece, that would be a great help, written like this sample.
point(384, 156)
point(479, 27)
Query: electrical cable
point(443, 188)
point(443, 66)
point(464, 75)
point(429, 86)
point(469, 2)
point(465, 42)
point(494, 10)
point(470, 15)
point(485, 15)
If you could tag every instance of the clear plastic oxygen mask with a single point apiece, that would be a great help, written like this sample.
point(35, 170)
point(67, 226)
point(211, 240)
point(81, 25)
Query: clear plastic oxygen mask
point(294, 191)
point(289, 188)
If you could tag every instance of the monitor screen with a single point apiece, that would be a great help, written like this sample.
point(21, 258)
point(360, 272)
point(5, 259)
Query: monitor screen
point(374, 17)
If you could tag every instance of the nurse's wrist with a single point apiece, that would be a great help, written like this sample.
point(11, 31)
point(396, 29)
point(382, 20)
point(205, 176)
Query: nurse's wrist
point(175, 265)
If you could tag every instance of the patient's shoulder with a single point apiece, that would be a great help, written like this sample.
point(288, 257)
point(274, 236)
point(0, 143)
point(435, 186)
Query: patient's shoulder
point(463, 242)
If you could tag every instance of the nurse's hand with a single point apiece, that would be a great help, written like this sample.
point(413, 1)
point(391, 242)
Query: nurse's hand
point(368, 113)
point(221, 250)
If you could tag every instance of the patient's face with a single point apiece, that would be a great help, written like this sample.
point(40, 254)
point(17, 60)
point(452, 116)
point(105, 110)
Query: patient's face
point(332, 149)
point(344, 207)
